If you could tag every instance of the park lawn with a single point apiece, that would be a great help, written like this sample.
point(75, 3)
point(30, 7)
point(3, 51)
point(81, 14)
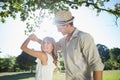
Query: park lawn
point(111, 75)
point(17, 76)
point(59, 76)
point(107, 75)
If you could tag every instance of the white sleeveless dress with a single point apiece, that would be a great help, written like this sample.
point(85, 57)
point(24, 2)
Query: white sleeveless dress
point(45, 72)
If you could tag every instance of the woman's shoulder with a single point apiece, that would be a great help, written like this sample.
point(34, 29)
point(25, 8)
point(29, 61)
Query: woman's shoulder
point(41, 55)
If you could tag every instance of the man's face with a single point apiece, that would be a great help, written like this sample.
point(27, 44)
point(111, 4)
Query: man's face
point(62, 29)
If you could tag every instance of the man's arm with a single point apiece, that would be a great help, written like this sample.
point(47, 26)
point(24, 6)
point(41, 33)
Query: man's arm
point(97, 75)
point(92, 56)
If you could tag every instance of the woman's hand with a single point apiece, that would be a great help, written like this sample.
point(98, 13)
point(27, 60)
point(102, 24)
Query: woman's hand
point(33, 37)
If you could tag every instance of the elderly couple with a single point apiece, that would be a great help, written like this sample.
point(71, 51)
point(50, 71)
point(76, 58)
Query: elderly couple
point(81, 57)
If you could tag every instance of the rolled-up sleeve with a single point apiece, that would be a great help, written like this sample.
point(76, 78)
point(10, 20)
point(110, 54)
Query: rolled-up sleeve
point(91, 54)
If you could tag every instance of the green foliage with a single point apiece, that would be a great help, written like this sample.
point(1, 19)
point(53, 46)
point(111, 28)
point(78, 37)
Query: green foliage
point(10, 8)
point(61, 61)
point(110, 58)
point(108, 65)
point(62, 67)
point(25, 59)
point(26, 62)
point(114, 61)
point(114, 54)
point(7, 64)
point(104, 52)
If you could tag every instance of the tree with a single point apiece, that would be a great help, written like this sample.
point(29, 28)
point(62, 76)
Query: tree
point(104, 52)
point(115, 54)
point(115, 58)
point(10, 8)
point(7, 64)
point(26, 61)
point(4, 64)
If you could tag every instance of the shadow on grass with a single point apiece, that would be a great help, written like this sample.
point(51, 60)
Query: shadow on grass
point(17, 76)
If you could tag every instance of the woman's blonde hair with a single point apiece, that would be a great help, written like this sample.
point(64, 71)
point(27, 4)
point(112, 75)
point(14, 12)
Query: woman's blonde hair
point(54, 51)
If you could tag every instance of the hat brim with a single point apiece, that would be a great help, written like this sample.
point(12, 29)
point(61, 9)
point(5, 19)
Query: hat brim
point(56, 22)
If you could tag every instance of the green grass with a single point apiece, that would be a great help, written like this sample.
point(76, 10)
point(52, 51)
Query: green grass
point(107, 75)
point(111, 75)
point(59, 76)
point(17, 76)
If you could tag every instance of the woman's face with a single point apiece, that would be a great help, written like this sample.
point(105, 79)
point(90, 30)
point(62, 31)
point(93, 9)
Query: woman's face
point(47, 47)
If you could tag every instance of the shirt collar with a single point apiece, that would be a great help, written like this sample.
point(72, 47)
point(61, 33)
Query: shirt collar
point(75, 34)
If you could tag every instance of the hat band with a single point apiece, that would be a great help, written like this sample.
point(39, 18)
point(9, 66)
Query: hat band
point(62, 22)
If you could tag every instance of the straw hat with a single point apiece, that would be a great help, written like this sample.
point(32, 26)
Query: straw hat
point(63, 17)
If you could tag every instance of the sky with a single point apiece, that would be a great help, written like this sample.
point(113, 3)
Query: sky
point(102, 28)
